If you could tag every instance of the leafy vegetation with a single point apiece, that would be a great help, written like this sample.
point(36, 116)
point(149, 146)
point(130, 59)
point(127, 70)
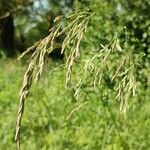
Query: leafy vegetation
point(45, 126)
point(96, 97)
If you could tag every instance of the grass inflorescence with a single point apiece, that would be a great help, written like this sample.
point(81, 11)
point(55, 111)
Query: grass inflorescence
point(73, 35)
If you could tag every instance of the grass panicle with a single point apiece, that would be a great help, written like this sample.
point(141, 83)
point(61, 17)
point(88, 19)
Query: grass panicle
point(99, 66)
point(96, 68)
point(73, 35)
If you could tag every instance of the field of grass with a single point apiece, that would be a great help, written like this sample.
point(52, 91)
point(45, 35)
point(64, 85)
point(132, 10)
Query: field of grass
point(95, 126)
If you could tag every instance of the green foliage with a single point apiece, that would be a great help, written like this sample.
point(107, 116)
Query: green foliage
point(106, 67)
point(44, 123)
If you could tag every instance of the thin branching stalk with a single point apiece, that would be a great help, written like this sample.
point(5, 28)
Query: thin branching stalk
point(76, 109)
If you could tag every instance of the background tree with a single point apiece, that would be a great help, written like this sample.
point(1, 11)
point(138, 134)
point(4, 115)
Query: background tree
point(22, 19)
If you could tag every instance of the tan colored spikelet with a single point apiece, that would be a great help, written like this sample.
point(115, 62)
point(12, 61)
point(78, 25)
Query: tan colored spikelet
point(58, 18)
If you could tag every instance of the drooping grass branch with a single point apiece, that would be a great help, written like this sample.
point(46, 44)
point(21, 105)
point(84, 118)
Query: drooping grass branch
point(73, 35)
point(122, 74)
point(27, 81)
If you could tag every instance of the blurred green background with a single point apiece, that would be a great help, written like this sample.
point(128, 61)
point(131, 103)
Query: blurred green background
point(97, 125)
